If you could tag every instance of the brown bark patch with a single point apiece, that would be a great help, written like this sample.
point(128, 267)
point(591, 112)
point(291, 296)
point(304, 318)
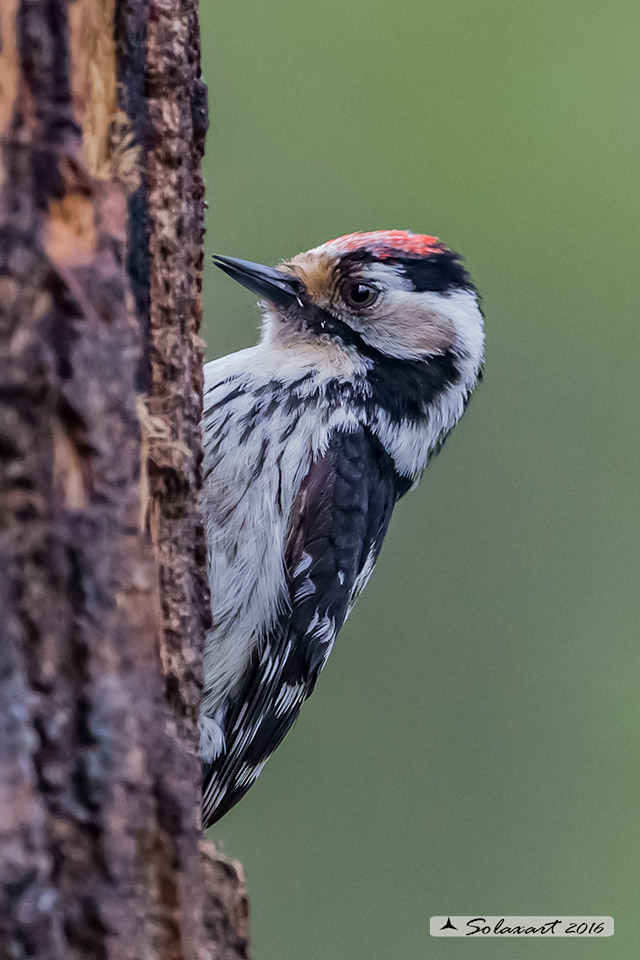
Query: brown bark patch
point(9, 74)
point(93, 79)
point(70, 230)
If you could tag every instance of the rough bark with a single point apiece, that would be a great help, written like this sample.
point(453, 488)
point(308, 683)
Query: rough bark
point(102, 588)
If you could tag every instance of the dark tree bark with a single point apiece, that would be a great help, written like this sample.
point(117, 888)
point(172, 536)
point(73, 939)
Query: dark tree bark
point(102, 589)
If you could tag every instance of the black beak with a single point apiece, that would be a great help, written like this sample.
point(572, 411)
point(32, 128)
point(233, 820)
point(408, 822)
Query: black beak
point(267, 282)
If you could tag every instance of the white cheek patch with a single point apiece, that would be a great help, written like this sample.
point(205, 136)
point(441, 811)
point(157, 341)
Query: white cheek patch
point(412, 326)
point(408, 325)
point(410, 443)
point(463, 310)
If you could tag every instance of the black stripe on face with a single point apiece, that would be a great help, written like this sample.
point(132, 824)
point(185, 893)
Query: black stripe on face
point(439, 273)
point(405, 389)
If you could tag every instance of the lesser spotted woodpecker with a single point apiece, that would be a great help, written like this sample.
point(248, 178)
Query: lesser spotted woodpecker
point(371, 346)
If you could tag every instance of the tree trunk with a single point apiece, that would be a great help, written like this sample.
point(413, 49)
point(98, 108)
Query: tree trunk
point(102, 583)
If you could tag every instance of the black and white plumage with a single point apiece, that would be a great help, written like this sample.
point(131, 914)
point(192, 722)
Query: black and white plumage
point(371, 346)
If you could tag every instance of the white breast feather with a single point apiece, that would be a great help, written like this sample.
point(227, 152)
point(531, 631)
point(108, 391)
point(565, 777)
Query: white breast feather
point(246, 522)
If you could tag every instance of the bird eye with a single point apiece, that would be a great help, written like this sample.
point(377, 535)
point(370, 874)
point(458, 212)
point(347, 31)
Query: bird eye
point(359, 294)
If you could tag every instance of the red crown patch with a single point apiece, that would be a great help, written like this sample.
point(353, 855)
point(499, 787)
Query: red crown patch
point(389, 243)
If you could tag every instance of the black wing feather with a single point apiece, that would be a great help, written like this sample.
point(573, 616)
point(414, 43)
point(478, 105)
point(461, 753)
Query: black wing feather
point(338, 523)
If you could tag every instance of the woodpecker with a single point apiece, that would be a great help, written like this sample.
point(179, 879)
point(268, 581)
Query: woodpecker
point(370, 347)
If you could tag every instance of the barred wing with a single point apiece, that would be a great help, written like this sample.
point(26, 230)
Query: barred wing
point(337, 526)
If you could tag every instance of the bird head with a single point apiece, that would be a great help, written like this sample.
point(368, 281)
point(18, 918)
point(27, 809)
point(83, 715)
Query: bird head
point(388, 293)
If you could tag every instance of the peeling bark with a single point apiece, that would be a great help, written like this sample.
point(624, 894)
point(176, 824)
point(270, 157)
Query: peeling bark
point(103, 599)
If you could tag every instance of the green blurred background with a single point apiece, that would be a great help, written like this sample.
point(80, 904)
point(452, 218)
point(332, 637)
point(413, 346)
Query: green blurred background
point(472, 746)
